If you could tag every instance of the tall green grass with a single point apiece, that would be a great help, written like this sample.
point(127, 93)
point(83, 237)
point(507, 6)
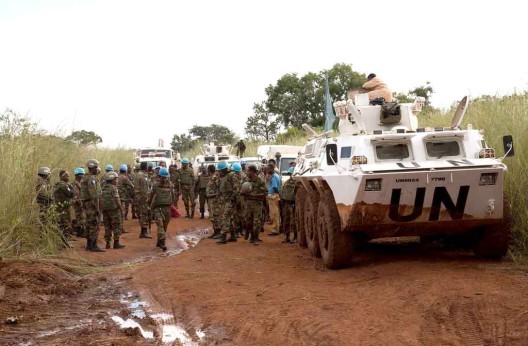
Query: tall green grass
point(24, 148)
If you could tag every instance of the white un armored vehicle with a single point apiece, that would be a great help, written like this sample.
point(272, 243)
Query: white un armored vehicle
point(383, 176)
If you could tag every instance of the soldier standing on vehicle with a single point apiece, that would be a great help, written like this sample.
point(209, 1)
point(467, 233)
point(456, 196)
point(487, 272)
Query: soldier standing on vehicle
point(201, 186)
point(63, 194)
point(44, 189)
point(377, 88)
point(79, 223)
point(214, 203)
point(90, 195)
point(160, 199)
point(112, 209)
point(229, 189)
point(240, 148)
point(187, 188)
point(141, 191)
point(254, 191)
point(288, 211)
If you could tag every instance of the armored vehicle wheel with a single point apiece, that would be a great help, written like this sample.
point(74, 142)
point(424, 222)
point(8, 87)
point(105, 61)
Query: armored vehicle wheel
point(336, 246)
point(312, 240)
point(492, 241)
point(300, 198)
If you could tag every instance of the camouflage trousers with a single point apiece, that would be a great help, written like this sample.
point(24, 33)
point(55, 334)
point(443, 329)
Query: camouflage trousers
point(143, 212)
point(79, 223)
point(92, 222)
point(189, 199)
point(202, 199)
point(288, 217)
point(112, 224)
point(253, 216)
point(176, 197)
point(64, 221)
point(225, 216)
point(162, 215)
point(215, 205)
point(238, 214)
point(125, 203)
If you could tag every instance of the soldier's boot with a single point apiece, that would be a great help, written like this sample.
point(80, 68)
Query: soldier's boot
point(286, 238)
point(126, 216)
point(96, 248)
point(202, 215)
point(294, 240)
point(192, 212)
point(162, 245)
point(108, 244)
point(233, 237)
point(217, 234)
point(251, 237)
point(246, 236)
point(222, 239)
point(158, 243)
point(134, 216)
point(117, 245)
point(88, 244)
point(187, 212)
point(78, 232)
point(144, 233)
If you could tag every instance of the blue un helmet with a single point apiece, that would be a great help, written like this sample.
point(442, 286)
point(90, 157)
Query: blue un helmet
point(163, 172)
point(221, 165)
point(185, 161)
point(123, 167)
point(236, 167)
point(109, 168)
point(78, 170)
point(290, 170)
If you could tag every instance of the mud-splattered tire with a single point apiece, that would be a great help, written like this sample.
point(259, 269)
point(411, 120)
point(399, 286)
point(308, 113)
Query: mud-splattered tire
point(492, 241)
point(336, 246)
point(300, 205)
point(310, 228)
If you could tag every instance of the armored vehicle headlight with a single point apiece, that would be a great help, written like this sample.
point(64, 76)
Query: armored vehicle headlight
point(487, 153)
point(488, 179)
point(359, 160)
point(373, 185)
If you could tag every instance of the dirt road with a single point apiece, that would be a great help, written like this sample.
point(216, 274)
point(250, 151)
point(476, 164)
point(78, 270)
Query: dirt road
point(276, 294)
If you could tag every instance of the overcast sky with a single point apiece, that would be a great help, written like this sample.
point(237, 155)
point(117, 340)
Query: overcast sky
point(136, 71)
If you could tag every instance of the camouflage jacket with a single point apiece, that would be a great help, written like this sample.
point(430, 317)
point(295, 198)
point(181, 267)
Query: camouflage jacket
point(44, 192)
point(110, 197)
point(63, 194)
point(213, 187)
point(229, 186)
point(186, 177)
point(77, 193)
point(161, 194)
point(141, 185)
point(258, 186)
point(90, 188)
point(288, 190)
point(125, 187)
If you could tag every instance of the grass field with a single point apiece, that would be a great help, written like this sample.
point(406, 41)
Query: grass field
point(23, 148)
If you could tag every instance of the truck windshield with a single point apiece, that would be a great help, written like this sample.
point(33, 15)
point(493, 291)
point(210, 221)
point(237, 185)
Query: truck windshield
point(441, 149)
point(397, 151)
point(285, 163)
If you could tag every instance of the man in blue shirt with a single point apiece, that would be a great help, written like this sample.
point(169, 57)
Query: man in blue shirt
point(273, 199)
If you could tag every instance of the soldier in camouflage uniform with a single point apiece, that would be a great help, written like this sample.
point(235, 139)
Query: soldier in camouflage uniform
point(175, 180)
point(214, 203)
point(90, 195)
point(254, 198)
point(44, 190)
point(238, 219)
point(187, 188)
point(63, 194)
point(112, 209)
point(229, 189)
point(160, 199)
point(79, 223)
point(201, 186)
point(287, 209)
point(141, 191)
point(126, 189)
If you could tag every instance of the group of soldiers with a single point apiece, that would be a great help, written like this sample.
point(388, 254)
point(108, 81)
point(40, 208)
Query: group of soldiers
point(235, 196)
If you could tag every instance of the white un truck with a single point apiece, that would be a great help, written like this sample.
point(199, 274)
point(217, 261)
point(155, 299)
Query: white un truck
point(384, 176)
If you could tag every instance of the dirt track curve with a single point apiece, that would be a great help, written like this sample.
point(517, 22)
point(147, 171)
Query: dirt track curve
point(276, 294)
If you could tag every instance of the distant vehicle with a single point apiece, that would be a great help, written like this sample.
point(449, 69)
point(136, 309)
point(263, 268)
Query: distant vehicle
point(212, 153)
point(282, 154)
point(384, 176)
point(251, 159)
point(156, 156)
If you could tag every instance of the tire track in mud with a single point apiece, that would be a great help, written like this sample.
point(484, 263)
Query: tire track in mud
point(474, 322)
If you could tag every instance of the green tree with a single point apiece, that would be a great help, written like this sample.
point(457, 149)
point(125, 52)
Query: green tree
point(213, 132)
point(297, 100)
point(181, 143)
point(262, 125)
point(84, 137)
point(425, 91)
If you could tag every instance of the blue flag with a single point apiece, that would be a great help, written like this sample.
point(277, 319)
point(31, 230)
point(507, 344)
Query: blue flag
point(329, 109)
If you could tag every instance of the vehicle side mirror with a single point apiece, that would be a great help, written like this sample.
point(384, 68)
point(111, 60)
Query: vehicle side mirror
point(331, 154)
point(507, 142)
